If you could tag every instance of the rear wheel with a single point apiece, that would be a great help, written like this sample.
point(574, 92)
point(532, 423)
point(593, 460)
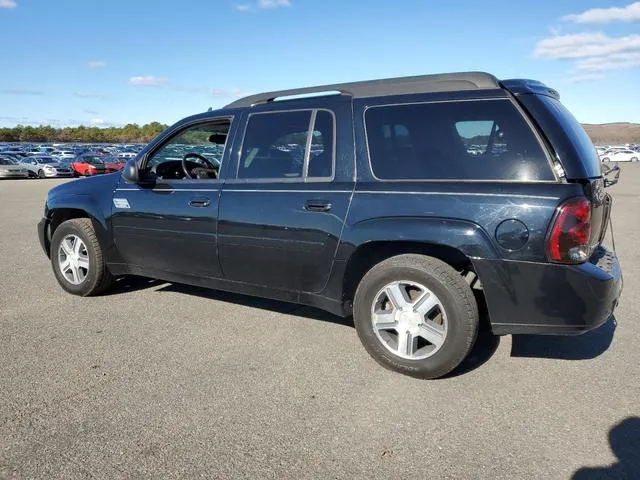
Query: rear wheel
point(605, 159)
point(40, 174)
point(634, 159)
point(77, 258)
point(416, 315)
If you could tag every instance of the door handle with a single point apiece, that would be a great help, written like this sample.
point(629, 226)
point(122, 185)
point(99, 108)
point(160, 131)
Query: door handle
point(317, 206)
point(200, 202)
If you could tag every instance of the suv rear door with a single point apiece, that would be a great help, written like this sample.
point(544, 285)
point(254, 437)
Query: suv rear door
point(283, 207)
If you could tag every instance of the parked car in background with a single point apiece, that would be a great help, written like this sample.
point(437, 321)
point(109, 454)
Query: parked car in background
point(127, 155)
point(9, 169)
point(64, 154)
point(40, 166)
point(621, 156)
point(114, 164)
point(87, 165)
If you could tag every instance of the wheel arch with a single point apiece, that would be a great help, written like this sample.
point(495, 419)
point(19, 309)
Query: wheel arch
point(455, 242)
point(62, 209)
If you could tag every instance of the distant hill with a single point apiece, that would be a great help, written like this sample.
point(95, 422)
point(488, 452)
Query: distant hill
point(614, 133)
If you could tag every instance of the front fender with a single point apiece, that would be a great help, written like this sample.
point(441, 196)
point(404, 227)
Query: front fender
point(467, 237)
point(74, 201)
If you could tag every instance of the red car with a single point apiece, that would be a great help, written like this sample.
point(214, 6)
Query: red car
point(114, 164)
point(87, 165)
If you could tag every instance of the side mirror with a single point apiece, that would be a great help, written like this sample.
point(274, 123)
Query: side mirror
point(130, 172)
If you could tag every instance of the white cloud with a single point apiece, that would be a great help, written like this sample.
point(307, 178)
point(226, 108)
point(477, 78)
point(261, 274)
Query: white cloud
point(617, 61)
point(8, 4)
point(273, 3)
point(96, 64)
point(262, 5)
point(630, 13)
point(95, 96)
point(585, 45)
point(97, 121)
point(586, 78)
point(148, 81)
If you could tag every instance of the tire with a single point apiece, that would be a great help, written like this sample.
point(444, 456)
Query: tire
point(98, 278)
point(605, 159)
point(455, 298)
point(634, 159)
point(40, 174)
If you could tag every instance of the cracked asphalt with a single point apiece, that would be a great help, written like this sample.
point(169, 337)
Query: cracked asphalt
point(158, 380)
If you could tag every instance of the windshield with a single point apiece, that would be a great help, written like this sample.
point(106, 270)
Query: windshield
point(4, 161)
point(92, 160)
point(46, 160)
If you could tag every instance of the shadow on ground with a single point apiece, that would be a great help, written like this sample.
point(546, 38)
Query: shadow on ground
point(257, 302)
point(483, 349)
point(624, 439)
point(582, 347)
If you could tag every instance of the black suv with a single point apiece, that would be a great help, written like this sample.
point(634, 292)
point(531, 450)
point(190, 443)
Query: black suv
point(406, 202)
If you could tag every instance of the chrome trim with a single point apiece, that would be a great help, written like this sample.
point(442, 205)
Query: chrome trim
point(257, 190)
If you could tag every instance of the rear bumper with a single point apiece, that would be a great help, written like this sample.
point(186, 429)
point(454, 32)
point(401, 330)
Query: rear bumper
point(551, 299)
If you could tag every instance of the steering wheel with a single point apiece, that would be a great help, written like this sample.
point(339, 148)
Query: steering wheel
point(211, 168)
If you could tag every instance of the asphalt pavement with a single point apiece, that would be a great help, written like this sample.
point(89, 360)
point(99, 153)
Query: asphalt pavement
point(157, 380)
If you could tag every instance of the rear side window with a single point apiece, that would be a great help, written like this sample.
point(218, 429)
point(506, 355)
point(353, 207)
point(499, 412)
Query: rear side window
point(473, 140)
point(288, 145)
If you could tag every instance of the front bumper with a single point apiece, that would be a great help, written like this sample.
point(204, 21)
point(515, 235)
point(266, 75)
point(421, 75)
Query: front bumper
point(43, 235)
point(551, 299)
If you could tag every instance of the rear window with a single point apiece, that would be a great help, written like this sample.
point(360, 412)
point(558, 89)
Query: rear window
point(576, 134)
point(473, 140)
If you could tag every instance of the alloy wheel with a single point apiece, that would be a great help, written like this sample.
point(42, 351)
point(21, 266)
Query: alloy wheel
point(73, 259)
point(409, 320)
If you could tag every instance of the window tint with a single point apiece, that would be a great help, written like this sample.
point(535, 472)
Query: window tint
point(274, 145)
point(477, 140)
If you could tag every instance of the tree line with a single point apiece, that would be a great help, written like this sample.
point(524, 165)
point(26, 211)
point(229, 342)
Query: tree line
point(130, 133)
point(133, 133)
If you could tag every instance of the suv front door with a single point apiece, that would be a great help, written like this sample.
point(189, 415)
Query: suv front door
point(281, 217)
point(170, 226)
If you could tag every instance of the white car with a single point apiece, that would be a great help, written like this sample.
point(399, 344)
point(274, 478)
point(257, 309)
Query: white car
point(63, 154)
point(127, 155)
point(621, 156)
point(45, 167)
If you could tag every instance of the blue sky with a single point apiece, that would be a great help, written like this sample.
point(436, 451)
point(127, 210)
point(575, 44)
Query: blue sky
point(120, 61)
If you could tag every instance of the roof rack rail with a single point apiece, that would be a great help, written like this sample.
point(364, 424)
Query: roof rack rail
point(446, 82)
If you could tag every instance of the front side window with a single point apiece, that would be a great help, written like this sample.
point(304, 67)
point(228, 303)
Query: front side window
point(195, 152)
point(473, 140)
point(288, 145)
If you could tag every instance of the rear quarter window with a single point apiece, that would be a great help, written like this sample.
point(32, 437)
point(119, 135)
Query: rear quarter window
point(470, 140)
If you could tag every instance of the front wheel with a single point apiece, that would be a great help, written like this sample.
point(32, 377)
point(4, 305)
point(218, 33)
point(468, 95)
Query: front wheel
point(40, 174)
point(605, 159)
point(634, 159)
point(77, 258)
point(416, 315)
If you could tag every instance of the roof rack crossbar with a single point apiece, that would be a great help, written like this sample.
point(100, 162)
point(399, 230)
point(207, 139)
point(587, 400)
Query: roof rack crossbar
point(391, 86)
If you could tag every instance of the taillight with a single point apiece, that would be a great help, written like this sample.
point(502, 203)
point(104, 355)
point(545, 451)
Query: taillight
point(568, 240)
